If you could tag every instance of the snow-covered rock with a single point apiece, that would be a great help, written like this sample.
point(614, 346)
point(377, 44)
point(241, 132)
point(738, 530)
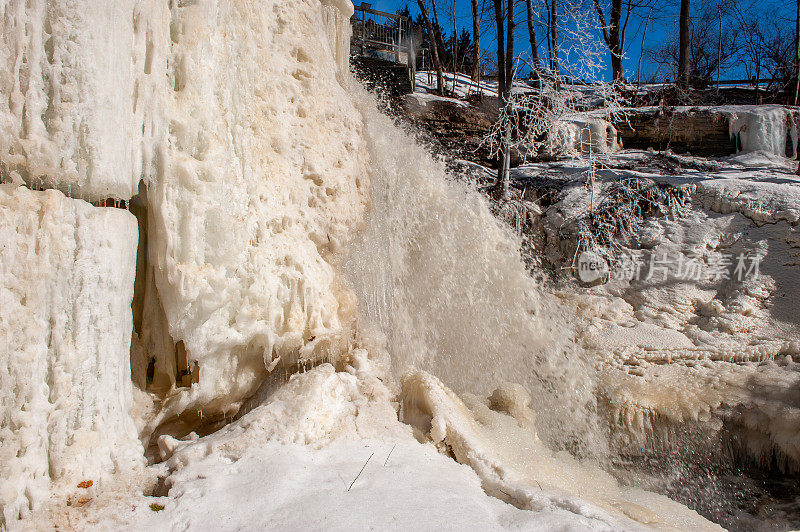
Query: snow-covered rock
point(66, 283)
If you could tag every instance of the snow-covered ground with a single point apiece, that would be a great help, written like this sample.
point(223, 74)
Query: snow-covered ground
point(697, 322)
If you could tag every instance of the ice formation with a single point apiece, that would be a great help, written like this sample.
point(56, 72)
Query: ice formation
point(584, 135)
point(67, 117)
point(264, 173)
point(232, 132)
point(770, 129)
point(66, 285)
point(253, 171)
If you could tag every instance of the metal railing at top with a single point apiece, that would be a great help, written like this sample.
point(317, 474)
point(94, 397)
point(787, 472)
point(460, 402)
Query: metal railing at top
point(383, 35)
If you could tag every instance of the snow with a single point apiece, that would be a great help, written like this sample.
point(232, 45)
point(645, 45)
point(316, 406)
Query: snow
point(422, 99)
point(334, 439)
point(425, 82)
point(65, 290)
point(696, 350)
point(66, 117)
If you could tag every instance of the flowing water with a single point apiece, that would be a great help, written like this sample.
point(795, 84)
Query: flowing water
point(443, 281)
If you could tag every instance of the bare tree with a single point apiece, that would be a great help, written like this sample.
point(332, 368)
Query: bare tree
point(434, 47)
point(683, 47)
point(476, 42)
point(797, 59)
point(711, 48)
point(641, 48)
point(554, 38)
point(454, 42)
point(615, 30)
point(535, 62)
point(437, 28)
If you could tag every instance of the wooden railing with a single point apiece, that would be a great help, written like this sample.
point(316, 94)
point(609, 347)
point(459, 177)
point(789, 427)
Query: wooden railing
point(384, 35)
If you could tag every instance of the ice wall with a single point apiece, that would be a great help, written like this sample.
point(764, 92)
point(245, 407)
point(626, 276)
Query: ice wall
point(584, 135)
point(264, 174)
point(67, 116)
point(771, 129)
point(66, 283)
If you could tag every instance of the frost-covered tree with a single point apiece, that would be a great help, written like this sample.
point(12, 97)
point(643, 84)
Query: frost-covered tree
point(537, 117)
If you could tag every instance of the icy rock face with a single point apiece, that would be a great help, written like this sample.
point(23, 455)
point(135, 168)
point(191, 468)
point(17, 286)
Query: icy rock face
point(584, 135)
point(66, 283)
point(771, 129)
point(67, 116)
point(699, 330)
point(264, 175)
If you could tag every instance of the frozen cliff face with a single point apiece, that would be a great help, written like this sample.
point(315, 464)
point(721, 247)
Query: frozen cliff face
point(696, 325)
point(66, 283)
point(67, 116)
point(263, 173)
point(771, 129)
point(584, 135)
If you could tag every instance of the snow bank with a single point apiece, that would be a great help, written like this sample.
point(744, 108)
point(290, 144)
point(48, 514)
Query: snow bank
point(264, 174)
point(68, 116)
point(66, 284)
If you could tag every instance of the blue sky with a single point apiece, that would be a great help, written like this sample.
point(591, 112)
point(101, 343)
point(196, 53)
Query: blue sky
point(659, 30)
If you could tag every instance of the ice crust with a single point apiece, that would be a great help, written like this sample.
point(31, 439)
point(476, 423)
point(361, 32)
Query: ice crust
point(66, 283)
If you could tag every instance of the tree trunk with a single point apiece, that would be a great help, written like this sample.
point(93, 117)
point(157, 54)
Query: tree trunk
point(532, 38)
point(454, 46)
point(510, 46)
point(684, 51)
point(437, 29)
point(554, 38)
point(476, 42)
point(797, 61)
point(613, 35)
point(641, 49)
point(500, 188)
point(432, 39)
